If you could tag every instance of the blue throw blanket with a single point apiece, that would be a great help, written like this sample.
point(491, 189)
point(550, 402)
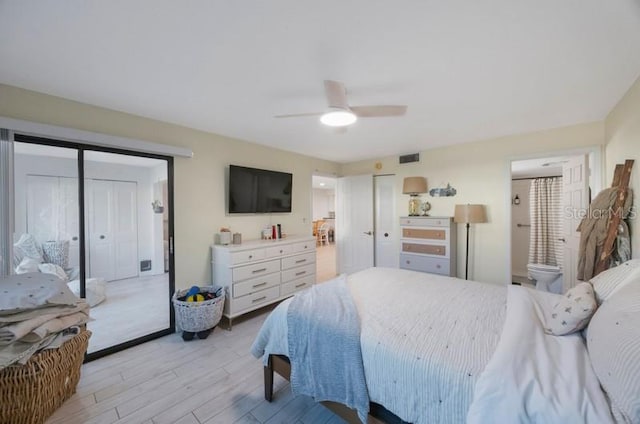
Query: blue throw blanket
point(324, 346)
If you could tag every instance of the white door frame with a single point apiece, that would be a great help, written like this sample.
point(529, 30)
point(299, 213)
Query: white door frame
point(597, 174)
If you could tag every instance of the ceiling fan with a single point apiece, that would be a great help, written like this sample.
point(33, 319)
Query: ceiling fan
point(340, 114)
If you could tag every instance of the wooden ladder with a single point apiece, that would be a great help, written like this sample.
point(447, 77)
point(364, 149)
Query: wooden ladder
point(621, 177)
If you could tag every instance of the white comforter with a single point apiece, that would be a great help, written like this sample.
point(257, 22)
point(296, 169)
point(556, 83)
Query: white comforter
point(534, 377)
point(425, 340)
point(428, 342)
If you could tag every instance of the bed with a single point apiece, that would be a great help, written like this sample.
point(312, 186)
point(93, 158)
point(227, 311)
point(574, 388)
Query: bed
point(436, 349)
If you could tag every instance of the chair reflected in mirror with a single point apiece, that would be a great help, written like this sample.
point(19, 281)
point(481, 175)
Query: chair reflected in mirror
point(322, 234)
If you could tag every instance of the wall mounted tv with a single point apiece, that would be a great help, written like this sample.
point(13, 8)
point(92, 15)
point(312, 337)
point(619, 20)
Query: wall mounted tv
point(254, 190)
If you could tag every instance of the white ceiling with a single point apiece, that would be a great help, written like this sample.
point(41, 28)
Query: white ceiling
point(467, 69)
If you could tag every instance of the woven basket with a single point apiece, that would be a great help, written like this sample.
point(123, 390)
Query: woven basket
point(30, 393)
point(198, 316)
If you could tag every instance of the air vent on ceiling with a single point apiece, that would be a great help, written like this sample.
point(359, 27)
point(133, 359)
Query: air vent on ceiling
point(414, 157)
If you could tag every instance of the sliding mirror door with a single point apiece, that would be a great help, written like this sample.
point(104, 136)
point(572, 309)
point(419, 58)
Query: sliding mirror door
point(127, 247)
point(47, 211)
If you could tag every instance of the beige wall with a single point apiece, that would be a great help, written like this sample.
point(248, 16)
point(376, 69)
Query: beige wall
point(480, 171)
point(622, 135)
point(199, 182)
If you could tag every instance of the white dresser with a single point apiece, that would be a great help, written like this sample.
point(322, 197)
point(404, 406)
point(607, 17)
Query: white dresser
point(428, 244)
point(261, 272)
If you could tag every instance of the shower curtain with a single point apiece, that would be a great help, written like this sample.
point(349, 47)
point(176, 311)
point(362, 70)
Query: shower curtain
point(545, 196)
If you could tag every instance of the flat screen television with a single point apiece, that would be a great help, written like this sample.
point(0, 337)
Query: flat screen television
point(254, 190)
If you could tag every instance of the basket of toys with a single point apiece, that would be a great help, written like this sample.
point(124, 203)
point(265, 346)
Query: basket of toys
point(198, 309)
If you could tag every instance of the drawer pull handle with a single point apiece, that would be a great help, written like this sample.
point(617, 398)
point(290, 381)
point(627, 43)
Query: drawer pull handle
point(301, 273)
point(438, 266)
point(280, 250)
point(260, 285)
point(250, 256)
point(255, 271)
point(259, 299)
point(300, 285)
point(300, 261)
point(408, 262)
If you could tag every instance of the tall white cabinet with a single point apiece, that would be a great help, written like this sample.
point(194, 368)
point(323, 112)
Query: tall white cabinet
point(428, 244)
point(257, 273)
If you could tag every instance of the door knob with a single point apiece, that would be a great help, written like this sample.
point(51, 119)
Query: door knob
point(562, 240)
point(101, 237)
point(367, 233)
point(386, 234)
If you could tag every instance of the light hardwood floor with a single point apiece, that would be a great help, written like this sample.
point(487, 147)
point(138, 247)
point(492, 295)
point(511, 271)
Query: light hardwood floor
point(325, 262)
point(168, 380)
point(134, 307)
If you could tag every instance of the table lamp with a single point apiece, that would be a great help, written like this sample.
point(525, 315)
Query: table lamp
point(414, 186)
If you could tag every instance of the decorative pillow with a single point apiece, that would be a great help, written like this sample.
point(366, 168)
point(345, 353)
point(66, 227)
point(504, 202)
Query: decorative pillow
point(28, 247)
point(610, 280)
point(33, 290)
point(573, 311)
point(27, 265)
point(56, 252)
point(53, 269)
point(613, 342)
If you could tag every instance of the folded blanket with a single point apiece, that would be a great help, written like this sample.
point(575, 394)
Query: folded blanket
point(324, 346)
point(11, 332)
point(54, 326)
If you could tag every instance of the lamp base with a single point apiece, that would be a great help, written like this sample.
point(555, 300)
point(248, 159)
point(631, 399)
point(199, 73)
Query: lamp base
point(414, 206)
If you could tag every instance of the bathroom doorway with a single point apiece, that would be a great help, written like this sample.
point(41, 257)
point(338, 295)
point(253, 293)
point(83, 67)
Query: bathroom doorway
point(544, 202)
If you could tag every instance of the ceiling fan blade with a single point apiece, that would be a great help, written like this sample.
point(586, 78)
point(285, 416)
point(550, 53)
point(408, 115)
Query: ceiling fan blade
point(379, 111)
point(336, 94)
point(299, 115)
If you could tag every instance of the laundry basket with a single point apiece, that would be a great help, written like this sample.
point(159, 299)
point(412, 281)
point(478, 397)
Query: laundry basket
point(30, 393)
point(198, 316)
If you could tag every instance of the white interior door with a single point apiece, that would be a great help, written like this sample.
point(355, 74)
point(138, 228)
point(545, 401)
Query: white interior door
point(42, 210)
point(100, 218)
point(69, 224)
point(575, 200)
point(125, 227)
point(113, 229)
point(354, 223)
point(386, 222)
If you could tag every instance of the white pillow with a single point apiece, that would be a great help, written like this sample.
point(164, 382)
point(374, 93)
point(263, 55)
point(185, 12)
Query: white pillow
point(27, 265)
point(53, 269)
point(572, 312)
point(28, 247)
point(613, 341)
point(610, 280)
point(33, 290)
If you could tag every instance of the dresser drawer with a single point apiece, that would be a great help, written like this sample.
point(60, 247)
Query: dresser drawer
point(247, 255)
point(425, 222)
point(256, 284)
point(425, 264)
point(429, 249)
point(298, 260)
point(256, 299)
point(425, 234)
point(296, 285)
point(299, 272)
point(276, 251)
point(254, 270)
point(303, 246)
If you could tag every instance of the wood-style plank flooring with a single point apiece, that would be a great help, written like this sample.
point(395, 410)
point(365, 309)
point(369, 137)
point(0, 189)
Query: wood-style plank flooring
point(168, 380)
point(325, 262)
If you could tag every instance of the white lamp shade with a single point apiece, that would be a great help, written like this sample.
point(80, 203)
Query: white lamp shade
point(414, 185)
point(470, 214)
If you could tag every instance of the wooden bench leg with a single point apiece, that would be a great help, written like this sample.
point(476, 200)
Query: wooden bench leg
point(268, 380)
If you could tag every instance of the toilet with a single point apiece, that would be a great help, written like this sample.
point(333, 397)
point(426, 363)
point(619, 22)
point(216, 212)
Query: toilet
point(548, 277)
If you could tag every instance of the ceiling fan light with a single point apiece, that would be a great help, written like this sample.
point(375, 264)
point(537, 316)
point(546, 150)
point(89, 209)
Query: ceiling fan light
point(338, 118)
